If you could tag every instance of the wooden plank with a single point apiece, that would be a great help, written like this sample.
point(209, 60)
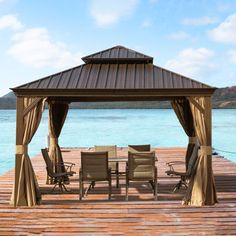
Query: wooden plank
point(64, 214)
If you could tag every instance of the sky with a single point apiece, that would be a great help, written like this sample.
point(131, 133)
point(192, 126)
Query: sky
point(196, 38)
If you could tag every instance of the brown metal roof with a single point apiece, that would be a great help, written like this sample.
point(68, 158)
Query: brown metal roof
point(115, 76)
point(118, 54)
point(134, 78)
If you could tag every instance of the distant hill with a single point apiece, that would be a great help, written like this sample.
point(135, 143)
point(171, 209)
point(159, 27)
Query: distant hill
point(222, 98)
point(9, 95)
point(8, 101)
point(225, 97)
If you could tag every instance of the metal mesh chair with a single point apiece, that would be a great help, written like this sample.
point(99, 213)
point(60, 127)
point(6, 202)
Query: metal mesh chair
point(184, 176)
point(58, 178)
point(94, 167)
point(141, 167)
point(112, 152)
point(139, 148)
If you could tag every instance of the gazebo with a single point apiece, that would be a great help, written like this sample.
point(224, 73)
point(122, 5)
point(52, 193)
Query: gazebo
point(115, 74)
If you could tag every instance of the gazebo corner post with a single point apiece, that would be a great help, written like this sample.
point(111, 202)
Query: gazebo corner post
point(202, 189)
point(26, 191)
point(19, 141)
point(211, 197)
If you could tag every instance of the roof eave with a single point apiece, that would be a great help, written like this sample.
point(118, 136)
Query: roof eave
point(114, 92)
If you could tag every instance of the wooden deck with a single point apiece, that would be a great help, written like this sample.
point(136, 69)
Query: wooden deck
point(64, 214)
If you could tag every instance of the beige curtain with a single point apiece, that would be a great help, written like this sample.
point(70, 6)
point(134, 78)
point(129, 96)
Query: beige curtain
point(26, 190)
point(184, 114)
point(57, 115)
point(201, 189)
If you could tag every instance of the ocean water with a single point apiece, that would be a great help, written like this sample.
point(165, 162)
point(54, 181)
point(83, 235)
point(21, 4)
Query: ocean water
point(86, 128)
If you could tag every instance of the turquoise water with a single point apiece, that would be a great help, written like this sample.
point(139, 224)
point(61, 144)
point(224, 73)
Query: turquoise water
point(85, 128)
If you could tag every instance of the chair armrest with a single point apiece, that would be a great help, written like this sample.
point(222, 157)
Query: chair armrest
point(172, 173)
point(172, 164)
point(67, 165)
point(175, 163)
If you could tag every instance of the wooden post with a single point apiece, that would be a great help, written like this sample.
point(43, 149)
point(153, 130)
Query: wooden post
point(19, 141)
point(208, 122)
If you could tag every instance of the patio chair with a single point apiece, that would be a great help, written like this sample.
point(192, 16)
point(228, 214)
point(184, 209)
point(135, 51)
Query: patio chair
point(139, 148)
point(112, 152)
point(58, 178)
point(141, 167)
point(94, 167)
point(184, 176)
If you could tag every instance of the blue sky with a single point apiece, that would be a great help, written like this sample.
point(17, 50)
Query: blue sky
point(196, 38)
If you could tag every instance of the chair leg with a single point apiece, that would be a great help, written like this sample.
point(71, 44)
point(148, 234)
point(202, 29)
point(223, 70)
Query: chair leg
point(117, 174)
point(60, 184)
point(185, 184)
point(54, 187)
point(93, 184)
point(80, 186)
point(182, 182)
point(177, 186)
point(151, 183)
point(64, 187)
point(155, 184)
point(127, 190)
point(109, 182)
point(127, 183)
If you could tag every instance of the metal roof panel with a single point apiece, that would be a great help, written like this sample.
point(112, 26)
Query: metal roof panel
point(116, 76)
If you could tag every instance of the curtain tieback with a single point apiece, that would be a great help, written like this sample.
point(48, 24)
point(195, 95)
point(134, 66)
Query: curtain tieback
point(205, 150)
point(53, 140)
point(192, 139)
point(21, 149)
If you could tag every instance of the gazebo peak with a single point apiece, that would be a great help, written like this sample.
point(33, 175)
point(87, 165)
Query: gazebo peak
point(117, 54)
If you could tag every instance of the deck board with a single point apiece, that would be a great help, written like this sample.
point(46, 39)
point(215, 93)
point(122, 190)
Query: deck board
point(64, 214)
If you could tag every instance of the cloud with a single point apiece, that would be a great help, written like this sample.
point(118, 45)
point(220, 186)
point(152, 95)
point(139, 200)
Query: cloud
point(179, 35)
point(232, 55)
point(146, 23)
point(11, 22)
point(222, 7)
point(109, 12)
point(35, 48)
point(192, 62)
point(226, 31)
point(205, 20)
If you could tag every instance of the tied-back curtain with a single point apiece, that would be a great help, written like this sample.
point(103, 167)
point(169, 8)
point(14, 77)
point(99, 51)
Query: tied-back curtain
point(26, 190)
point(201, 189)
point(184, 114)
point(57, 115)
